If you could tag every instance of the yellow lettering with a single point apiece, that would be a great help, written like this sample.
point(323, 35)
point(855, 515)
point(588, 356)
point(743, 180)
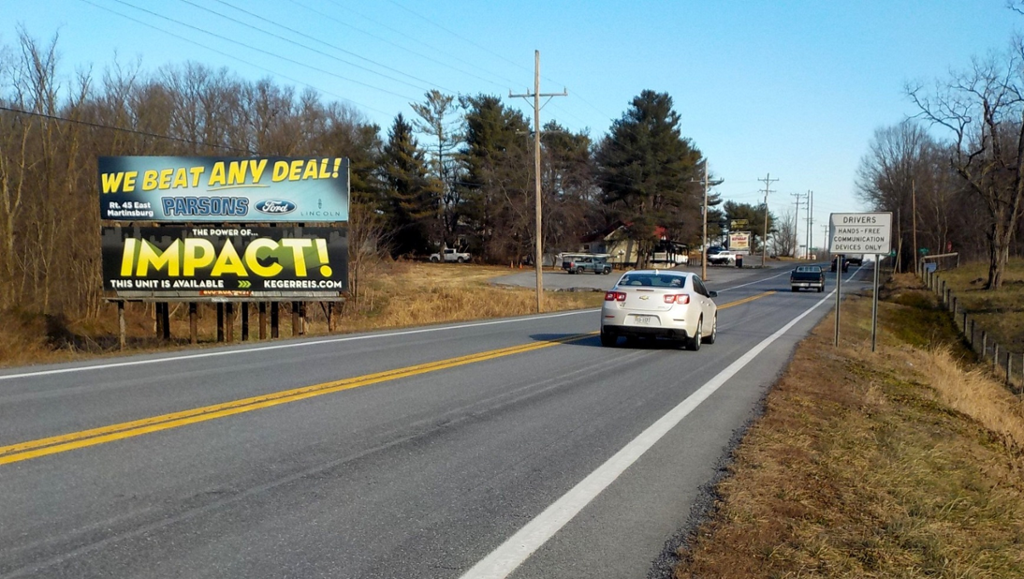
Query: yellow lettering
point(280, 171)
point(151, 256)
point(325, 173)
point(129, 181)
point(128, 257)
point(237, 171)
point(297, 245)
point(165, 178)
point(180, 178)
point(229, 262)
point(111, 181)
point(256, 168)
point(311, 170)
point(252, 257)
point(217, 174)
point(149, 180)
point(295, 169)
point(199, 253)
point(196, 172)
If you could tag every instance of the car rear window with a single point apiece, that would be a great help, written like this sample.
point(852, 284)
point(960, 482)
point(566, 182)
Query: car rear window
point(653, 280)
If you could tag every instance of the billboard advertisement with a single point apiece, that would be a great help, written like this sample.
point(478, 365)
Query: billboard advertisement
point(739, 241)
point(225, 261)
point(224, 190)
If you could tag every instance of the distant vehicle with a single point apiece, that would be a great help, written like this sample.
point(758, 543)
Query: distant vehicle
point(660, 304)
point(450, 256)
point(846, 264)
point(722, 257)
point(807, 277)
point(855, 259)
point(583, 263)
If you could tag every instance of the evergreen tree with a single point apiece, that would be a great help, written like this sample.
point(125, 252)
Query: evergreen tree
point(648, 172)
point(498, 185)
point(410, 201)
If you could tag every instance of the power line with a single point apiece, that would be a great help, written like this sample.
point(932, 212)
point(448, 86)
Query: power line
point(260, 50)
point(231, 56)
point(457, 35)
point(398, 46)
point(304, 35)
point(123, 130)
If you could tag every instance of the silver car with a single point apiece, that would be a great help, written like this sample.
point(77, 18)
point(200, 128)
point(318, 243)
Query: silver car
point(660, 304)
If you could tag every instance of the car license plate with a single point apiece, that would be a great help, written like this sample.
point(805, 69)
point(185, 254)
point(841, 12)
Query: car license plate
point(644, 320)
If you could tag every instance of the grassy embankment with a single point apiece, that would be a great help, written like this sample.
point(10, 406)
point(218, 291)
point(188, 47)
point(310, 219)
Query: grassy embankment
point(907, 462)
point(1000, 313)
point(392, 295)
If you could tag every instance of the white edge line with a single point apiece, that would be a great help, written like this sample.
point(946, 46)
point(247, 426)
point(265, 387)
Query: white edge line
point(289, 345)
point(516, 549)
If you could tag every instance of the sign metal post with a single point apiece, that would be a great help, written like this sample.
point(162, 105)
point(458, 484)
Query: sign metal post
point(865, 234)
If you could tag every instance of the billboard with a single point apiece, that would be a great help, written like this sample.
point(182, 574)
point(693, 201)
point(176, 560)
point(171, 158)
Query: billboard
point(739, 241)
point(222, 262)
point(224, 190)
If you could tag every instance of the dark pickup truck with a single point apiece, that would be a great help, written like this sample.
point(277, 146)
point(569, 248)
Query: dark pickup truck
point(807, 277)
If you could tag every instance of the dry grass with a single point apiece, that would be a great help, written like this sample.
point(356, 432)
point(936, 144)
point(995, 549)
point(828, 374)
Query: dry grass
point(902, 463)
point(998, 312)
point(391, 295)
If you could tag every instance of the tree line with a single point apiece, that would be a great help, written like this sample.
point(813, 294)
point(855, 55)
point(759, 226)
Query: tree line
point(457, 172)
point(953, 174)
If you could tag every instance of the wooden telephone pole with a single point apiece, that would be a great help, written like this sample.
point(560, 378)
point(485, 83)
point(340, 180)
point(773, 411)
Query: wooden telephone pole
point(538, 249)
point(764, 240)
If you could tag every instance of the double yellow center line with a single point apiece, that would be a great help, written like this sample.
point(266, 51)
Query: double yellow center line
point(62, 443)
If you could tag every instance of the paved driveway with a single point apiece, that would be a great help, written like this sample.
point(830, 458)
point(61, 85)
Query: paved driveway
point(559, 280)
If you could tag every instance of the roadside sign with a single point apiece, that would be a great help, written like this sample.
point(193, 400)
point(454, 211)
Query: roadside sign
point(923, 251)
point(866, 233)
point(737, 224)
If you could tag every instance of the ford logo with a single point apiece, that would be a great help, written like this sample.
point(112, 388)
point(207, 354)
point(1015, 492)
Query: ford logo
point(275, 207)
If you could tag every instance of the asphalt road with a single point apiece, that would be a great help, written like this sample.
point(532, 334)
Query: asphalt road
point(516, 447)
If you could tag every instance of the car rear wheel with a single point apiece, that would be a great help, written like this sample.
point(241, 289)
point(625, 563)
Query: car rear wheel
point(714, 332)
point(608, 339)
point(694, 342)
point(434, 260)
point(579, 270)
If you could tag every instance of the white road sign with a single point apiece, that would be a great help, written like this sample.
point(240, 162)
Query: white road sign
point(869, 233)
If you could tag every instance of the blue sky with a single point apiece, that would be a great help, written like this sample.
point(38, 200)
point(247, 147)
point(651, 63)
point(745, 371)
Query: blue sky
point(794, 89)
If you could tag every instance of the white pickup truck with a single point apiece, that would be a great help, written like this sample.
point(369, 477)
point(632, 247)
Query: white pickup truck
point(450, 255)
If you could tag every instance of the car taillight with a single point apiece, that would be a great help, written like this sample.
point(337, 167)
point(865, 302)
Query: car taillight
point(681, 299)
point(614, 297)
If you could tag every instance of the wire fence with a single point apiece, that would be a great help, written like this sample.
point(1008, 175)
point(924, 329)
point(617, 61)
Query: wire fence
point(1006, 364)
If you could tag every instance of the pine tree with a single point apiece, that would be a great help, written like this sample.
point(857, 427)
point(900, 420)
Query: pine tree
point(647, 171)
point(410, 201)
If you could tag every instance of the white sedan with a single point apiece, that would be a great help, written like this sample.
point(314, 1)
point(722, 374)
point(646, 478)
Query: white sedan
point(660, 304)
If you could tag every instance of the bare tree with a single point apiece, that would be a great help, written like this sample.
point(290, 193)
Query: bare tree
point(983, 108)
point(785, 235)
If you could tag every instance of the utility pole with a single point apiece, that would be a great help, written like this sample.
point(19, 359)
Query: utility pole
point(764, 240)
point(810, 220)
point(796, 223)
point(824, 238)
point(538, 257)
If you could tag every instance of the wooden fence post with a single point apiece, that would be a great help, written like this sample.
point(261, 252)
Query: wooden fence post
point(984, 344)
point(995, 355)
